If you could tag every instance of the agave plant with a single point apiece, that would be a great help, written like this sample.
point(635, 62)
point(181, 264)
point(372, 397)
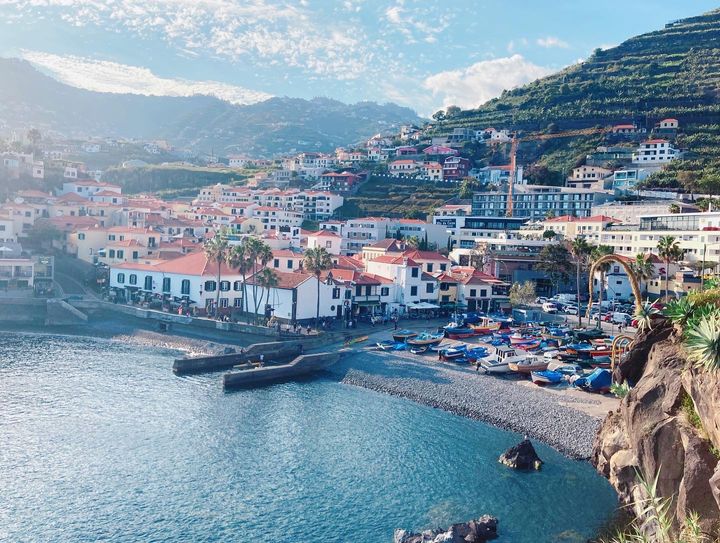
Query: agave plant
point(679, 311)
point(702, 312)
point(702, 342)
point(620, 390)
point(644, 315)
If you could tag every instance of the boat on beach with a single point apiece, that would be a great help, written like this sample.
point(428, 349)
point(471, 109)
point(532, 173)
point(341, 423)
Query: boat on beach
point(454, 353)
point(546, 377)
point(463, 332)
point(499, 362)
point(401, 336)
point(485, 327)
point(425, 339)
point(529, 364)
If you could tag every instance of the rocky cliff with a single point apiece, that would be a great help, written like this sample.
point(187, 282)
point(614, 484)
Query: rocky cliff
point(667, 426)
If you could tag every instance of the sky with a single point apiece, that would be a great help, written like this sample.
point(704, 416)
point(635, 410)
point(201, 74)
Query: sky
point(425, 54)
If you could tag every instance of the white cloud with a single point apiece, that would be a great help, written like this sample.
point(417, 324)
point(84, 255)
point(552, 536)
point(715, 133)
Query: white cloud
point(260, 30)
point(105, 76)
point(417, 24)
point(472, 86)
point(552, 41)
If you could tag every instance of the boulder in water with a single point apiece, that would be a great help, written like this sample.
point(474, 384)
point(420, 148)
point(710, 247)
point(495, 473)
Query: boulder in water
point(475, 531)
point(521, 456)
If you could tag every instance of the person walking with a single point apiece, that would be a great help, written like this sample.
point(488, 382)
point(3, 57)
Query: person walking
point(395, 322)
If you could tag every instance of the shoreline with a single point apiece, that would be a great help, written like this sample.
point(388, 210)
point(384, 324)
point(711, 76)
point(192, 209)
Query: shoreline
point(559, 418)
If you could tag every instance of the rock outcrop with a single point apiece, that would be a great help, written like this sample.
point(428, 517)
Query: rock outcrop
point(667, 426)
point(521, 456)
point(475, 531)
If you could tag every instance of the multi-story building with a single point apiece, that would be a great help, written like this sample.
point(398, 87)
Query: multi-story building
point(656, 151)
point(465, 230)
point(455, 168)
point(589, 177)
point(537, 201)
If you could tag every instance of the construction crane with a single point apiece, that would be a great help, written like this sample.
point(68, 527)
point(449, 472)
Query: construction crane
point(538, 137)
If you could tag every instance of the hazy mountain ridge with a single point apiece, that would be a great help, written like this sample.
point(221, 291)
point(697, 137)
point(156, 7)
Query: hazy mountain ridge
point(30, 98)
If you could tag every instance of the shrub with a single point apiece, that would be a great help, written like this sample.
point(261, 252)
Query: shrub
point(702, 342)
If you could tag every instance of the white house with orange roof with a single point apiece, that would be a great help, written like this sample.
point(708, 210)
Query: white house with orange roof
point(325, 239)
point(477, 290)
point(88, 187)
point(431, 261)
point(107, 197)
point(403, 166)
point(413, 285)
point(193, 279)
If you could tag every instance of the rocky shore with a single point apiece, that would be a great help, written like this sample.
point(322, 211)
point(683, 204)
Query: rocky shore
point(505, 404)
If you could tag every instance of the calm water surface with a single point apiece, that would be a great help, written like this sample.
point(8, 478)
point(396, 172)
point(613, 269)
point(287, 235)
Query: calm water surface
point(101, 442)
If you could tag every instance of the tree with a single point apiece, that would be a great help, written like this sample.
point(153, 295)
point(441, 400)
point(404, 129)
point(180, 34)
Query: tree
point(413, 242)
point(580, 250)
point(643, 268)
point(549, 234)
point(257, 252)
point(467, 187)
point(316, 261)
point(268, 280)
point(522, 293)
point(452, 111)
point(554, 260)
point(669, 250)
point(34, 136)
point(216, 249)
point(480, 256)
point(439, 116)
point(674, 208)
point(689, 181)
point(237, 259)
point(596, 254)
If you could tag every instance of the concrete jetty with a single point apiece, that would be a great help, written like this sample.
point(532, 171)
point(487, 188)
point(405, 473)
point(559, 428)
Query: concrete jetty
point(300, 366)
point(275, 351)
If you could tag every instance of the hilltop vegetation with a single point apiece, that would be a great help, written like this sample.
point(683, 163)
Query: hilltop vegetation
point(673, 72)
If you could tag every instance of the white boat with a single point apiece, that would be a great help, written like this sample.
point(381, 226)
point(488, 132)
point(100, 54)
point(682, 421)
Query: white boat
point(529, 364)
point(499, 362)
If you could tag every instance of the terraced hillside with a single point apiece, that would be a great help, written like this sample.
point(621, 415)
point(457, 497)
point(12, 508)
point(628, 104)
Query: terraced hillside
point(673, 72)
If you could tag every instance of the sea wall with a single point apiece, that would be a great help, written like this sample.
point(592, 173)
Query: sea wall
point(275, 351)
point(668, 427)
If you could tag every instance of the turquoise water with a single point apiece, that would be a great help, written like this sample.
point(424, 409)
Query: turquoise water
point(101, 442)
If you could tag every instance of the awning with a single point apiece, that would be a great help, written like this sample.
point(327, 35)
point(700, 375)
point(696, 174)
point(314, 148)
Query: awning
point(422, 305)
point(366, 303)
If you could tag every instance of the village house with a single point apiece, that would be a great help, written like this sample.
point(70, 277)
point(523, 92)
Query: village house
point(655, 151)
point(455, 168)
point(403, 167)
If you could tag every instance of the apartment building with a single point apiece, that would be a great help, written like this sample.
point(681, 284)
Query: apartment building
point(537, 201)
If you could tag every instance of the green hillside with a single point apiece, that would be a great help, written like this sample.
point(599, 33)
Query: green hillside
point(670, 72)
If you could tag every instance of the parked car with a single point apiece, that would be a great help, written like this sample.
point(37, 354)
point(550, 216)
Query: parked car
point(622, 318)
point(540, 300)
point(550, 307)
point(570, 309)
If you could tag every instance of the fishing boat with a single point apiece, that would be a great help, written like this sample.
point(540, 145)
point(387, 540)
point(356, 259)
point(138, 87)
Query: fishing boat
point(420, 349)
point(604, 362)
point(454, 352)
point(499, 362)
point(598, 381)
point(485, 327)
point(529, 364)
point(440, 347)
point(565, 369)
point(459, 333)
point(476, 353)
point(531, 346)
point(546, 377)
point(425, 339)
point(401, 336)
point(520, 339)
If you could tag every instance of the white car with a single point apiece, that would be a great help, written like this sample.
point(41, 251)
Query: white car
point(549, 307)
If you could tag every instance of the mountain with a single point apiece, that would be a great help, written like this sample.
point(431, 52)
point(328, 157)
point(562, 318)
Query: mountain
point(672, 72)
point(30, 98)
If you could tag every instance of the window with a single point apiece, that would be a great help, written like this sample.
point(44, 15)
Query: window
point(290, 264)
point(120, 254)
point(185, 287)
point(358, 290)
point(224, 286)
point(473, 293)
point(483, 293)
point(237, 302)
point(415, 272)
point(429, 267)
point(276, 263)
point(429, 288)
point(121, 278)
point(111, 237)
point(224, 302)
point(384, 291)
point(148, 282)
point(237, 286)
point(166, 284)
point(210, 286)
point(336, 294)
point(135, 255)
point(81, 235)
point(443, 267)
point(413, 291)
point(133, 279)
point(348, 294)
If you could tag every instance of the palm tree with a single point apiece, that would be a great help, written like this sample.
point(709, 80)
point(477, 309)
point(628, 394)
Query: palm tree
point(316, 261)
point(217, 249)
point(237, 259)
point(268, 280)
point(579, 249)
point(669, 250)
point(643, 268)
point(596, 254)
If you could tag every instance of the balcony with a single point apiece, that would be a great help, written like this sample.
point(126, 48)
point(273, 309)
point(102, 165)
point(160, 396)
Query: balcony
point(373, 298)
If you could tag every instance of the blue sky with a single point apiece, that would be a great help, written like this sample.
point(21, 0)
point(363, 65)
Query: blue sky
point(423, 54)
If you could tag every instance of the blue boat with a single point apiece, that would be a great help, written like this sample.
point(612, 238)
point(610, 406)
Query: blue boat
point(546, 377)
point(598, 381)
point(454, 352)
point(477, 352)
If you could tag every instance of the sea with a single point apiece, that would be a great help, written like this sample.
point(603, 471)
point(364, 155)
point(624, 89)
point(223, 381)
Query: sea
point(100, 441)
